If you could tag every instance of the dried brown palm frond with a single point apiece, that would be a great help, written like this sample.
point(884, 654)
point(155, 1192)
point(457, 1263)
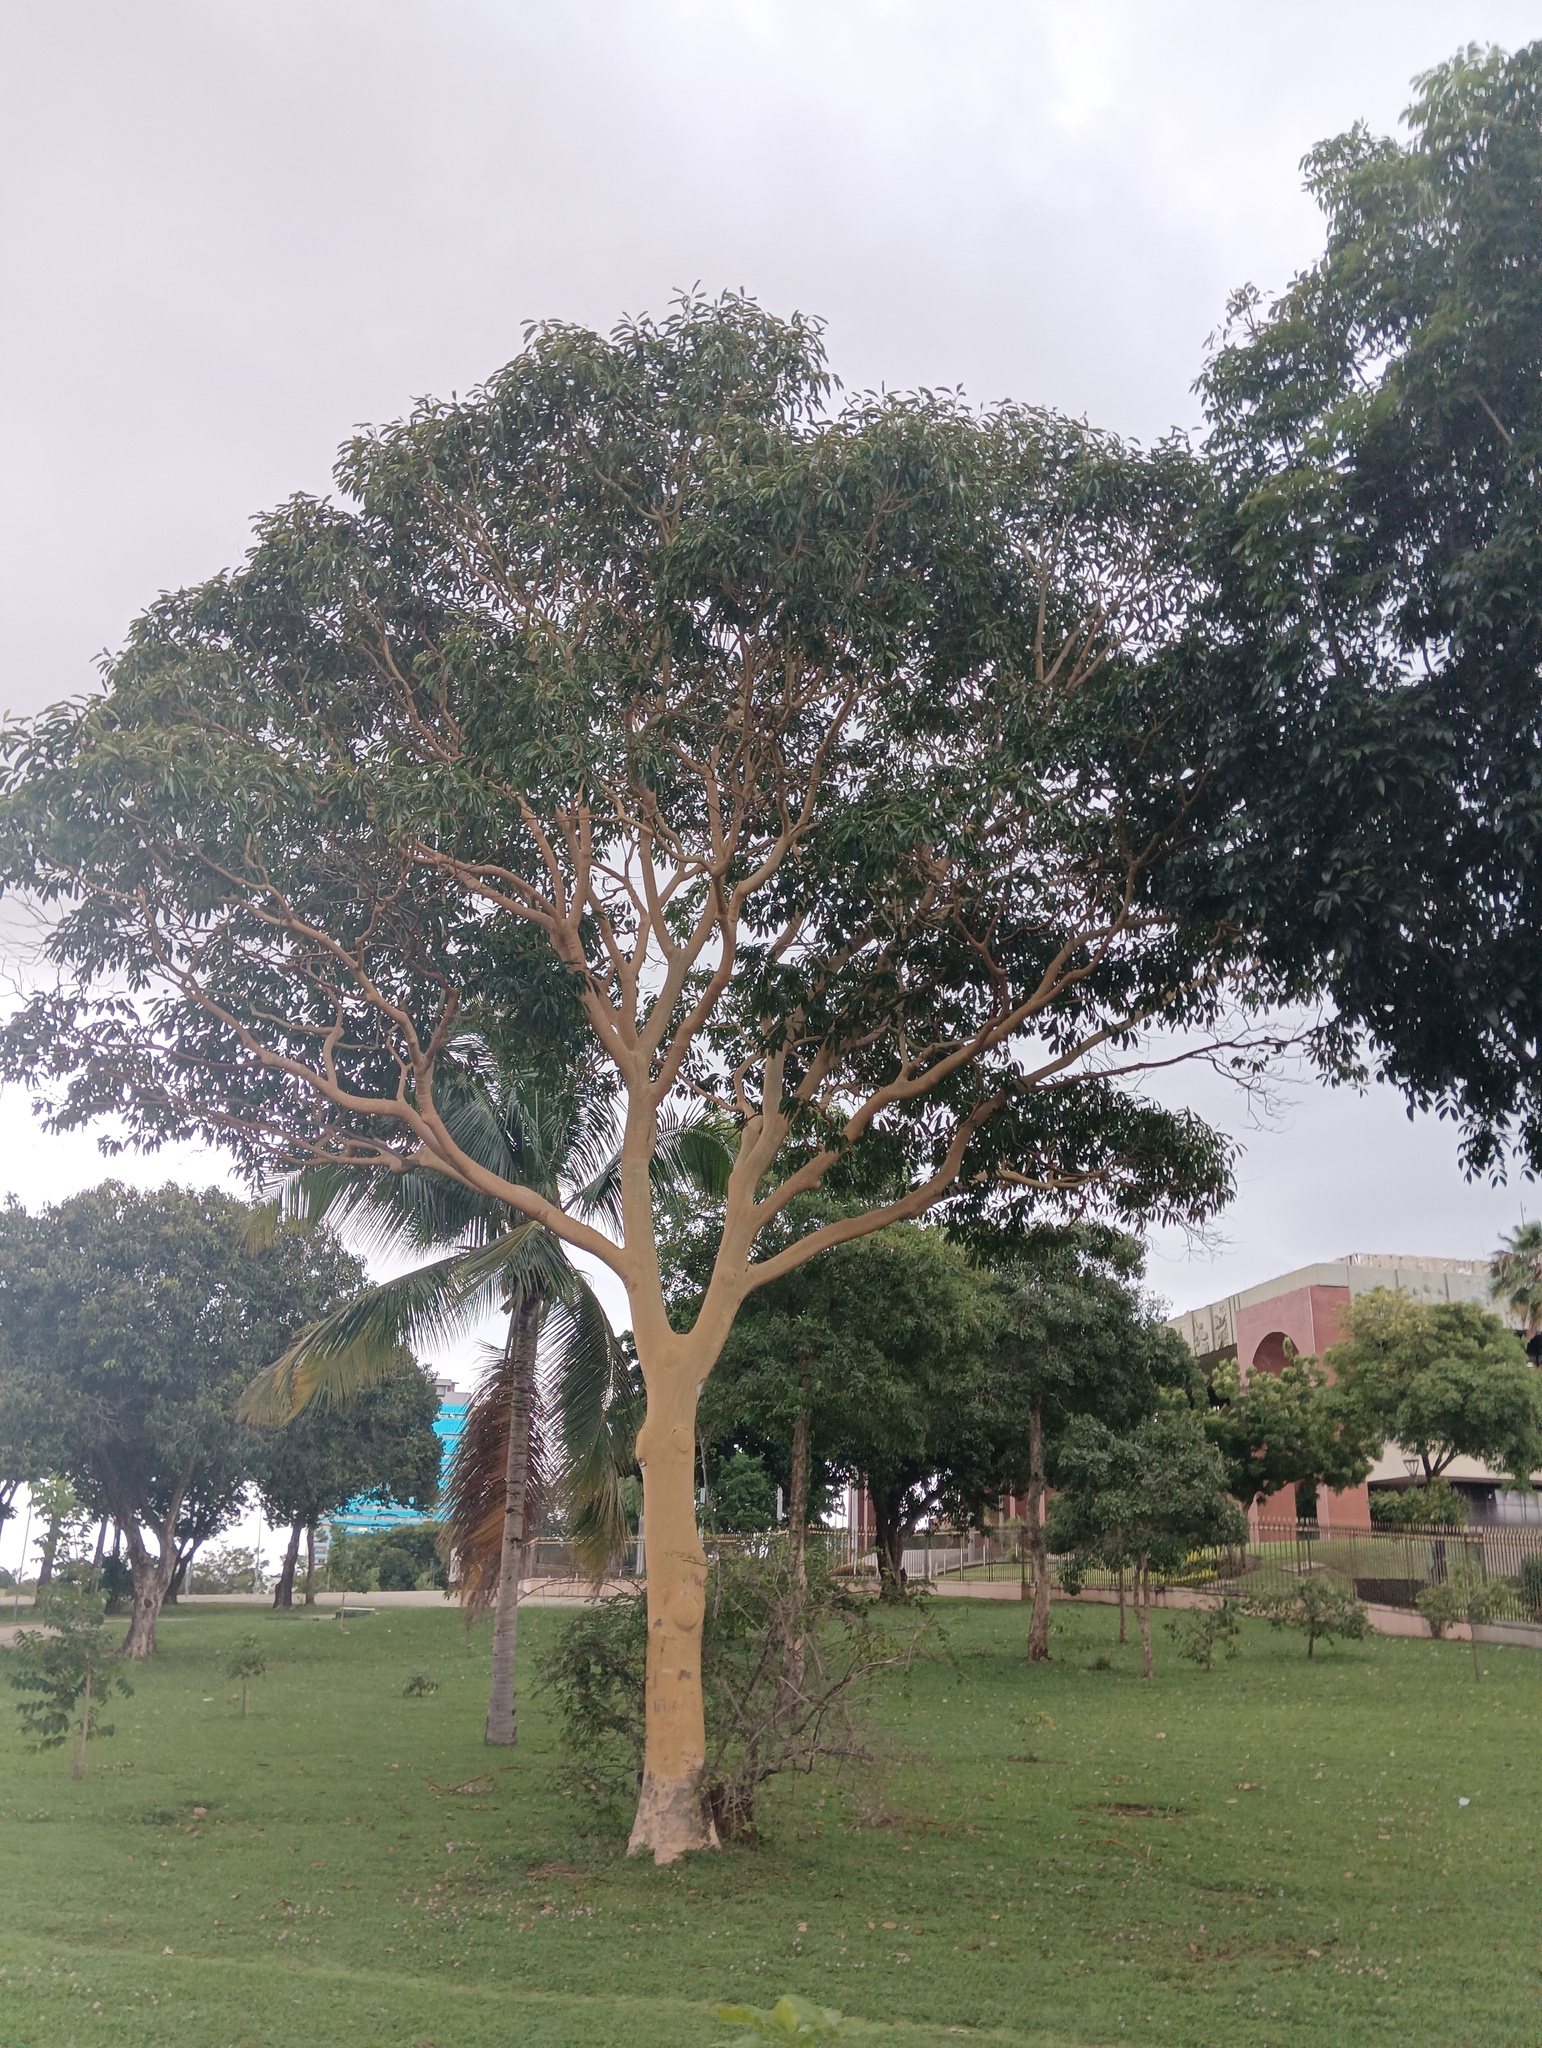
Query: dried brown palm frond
point(474, 1490)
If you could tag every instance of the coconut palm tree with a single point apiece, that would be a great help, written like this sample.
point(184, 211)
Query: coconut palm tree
point(563, 1142)
point(1515, 1277)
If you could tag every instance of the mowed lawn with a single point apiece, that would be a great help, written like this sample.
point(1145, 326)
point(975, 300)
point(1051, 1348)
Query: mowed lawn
point(1274, 1853)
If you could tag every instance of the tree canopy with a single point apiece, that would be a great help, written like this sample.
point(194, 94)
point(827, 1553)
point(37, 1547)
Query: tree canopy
point(1377, 562)
point(137, 1318)
point(883, 1342)
point(1443, 1379)
point(820, 759)
point(1289, 1428)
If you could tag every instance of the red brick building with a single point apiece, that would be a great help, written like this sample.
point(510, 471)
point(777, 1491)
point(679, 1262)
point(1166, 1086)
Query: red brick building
point(1304, 1309)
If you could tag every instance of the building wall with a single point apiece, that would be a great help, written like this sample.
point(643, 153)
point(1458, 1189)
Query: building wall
point(1304, 1309)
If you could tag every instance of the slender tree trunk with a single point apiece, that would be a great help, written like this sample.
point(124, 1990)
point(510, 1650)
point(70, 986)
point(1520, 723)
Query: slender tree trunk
point(310, 1564)
point(793, 1658)
point(1038, 1547)
point(1143, 1613)
point(889, 1542)
point(524, 1334)
point(78, 1767)
point(45, 1570)
point(283, 1592)
point(671, 1813)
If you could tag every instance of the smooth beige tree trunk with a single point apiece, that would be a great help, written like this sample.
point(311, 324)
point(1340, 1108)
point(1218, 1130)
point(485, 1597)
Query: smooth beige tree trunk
point(1143, 1615)
point(671, 1814)
point(502, 1728)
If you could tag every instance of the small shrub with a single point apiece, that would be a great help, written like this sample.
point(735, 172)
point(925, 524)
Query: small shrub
point(1204, 1630)
point(227, 1569)
point(1436, 1506)
point(357, 1562)
point(70, 1664)
point(759, 1723)
point(419, 1686)
point(1531, 1585)
point(790, 2019)
point(1461, 1596)
point(245, 1662)
point(1101, 1664)
point(1318, 1608)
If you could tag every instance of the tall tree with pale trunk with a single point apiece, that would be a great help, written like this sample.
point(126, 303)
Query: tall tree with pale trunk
point(828, 763)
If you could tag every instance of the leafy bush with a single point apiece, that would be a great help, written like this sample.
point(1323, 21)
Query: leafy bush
point(245, 1661)
point(68, 1668)
point(790, 2019)
point(1321, 1610)
point(395, 1571)
point(1531, 1585)
point(743, 1496)
point(1436, 1506)
point(419, 1686)
point(384, 1560)
point(1204, 1630)
point(784, 1673)
point(1463, 1595)
point(227, 1569)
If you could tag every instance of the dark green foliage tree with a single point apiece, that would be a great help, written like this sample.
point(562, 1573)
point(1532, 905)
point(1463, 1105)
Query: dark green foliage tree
point(873, 1362)
point(1072, 1337)
point(379, 1446)
point(139, 1318)
point(29, 1445)
point(1436, 1505)
point(1444, 1380)
point(354, 1562)
point(1290, 1428)
point(1376, 436)
point(67, 1669)
point(823, 758)
point(1146, 1498)
point(743, 1495)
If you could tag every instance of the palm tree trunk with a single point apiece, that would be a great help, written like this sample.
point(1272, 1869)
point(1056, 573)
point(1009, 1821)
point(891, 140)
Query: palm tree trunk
point(524, 1333)
point(310, 1564)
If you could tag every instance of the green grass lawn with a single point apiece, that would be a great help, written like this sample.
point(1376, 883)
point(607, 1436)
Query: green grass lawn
point(1273, 1853)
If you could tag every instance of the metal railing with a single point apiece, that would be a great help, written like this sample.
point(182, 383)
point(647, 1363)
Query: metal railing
point(1385, 1567)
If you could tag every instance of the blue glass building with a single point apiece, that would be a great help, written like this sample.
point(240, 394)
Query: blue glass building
point(364, 1517)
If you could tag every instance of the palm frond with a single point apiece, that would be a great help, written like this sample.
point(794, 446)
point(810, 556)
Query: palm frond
point(367, 1338)
point(475, 1486)
point(598, 1410)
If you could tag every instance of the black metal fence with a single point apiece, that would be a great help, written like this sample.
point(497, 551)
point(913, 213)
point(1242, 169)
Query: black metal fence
point(1385, 1567)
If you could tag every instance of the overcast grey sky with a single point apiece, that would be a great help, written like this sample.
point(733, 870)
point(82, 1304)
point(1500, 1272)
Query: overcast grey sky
point(230, 232)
